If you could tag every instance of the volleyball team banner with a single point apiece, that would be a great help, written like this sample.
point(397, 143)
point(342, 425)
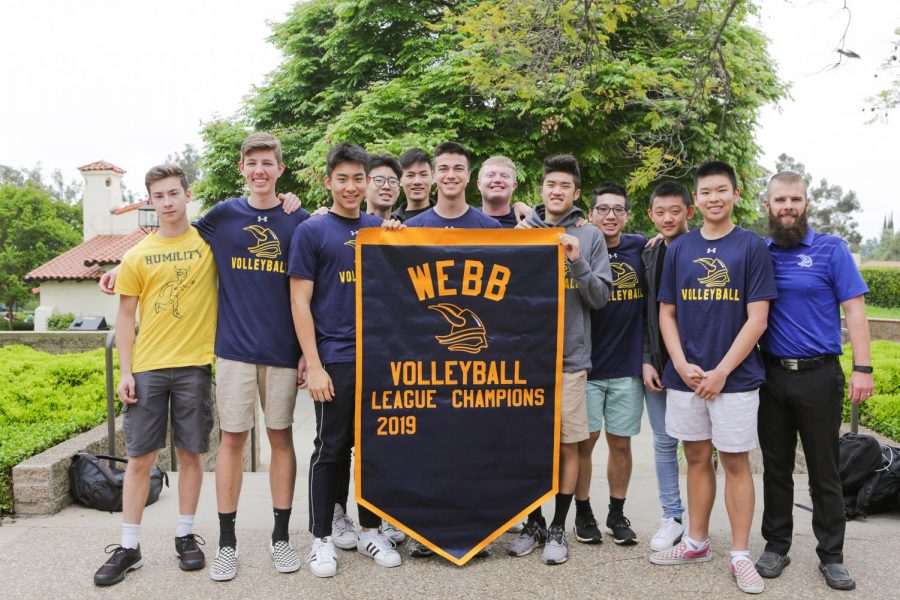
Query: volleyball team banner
point(459, 358)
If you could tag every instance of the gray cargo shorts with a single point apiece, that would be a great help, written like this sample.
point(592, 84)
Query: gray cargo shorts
point(145, 423)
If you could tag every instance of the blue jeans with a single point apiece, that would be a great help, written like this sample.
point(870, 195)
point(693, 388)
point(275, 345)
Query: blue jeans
point(665, 454)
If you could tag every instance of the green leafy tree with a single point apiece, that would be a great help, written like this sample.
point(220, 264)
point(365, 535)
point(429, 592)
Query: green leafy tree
point(34, 228)
point(190, 162)
point(889, 98)
point(59, 188)
point(637, 91)
point(888, 246)
point(830, 209)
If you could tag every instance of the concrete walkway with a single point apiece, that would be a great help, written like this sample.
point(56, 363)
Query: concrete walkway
point(55, 557)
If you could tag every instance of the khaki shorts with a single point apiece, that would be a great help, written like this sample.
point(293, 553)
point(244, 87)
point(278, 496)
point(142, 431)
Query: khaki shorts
point(729, 420)
point(239, 384)
point(574, 425)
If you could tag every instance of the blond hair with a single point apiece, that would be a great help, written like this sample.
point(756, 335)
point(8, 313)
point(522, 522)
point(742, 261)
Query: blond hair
point(160, 172)
point(261, 141)
point(498, 160)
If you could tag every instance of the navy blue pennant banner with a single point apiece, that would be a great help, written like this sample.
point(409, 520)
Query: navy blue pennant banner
point(459, 359)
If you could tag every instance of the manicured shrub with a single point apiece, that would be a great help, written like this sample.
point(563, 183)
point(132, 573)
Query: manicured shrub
point(884, 286)
point(881, 412)
point(45, 399)
point(60, 321)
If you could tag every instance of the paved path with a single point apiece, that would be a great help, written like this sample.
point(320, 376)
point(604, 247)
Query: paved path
point(55, 557)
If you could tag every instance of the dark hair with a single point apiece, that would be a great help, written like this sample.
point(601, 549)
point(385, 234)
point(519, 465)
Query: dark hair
point(562, 163)
point(414, 156)
point(716, 167)
point(671, 188)
point(385, 160)
point(453, 148)
point(610, 187)
point(160, 172)
point(346, 153)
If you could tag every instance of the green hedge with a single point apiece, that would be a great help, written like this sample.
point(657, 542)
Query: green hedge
point(884, 286)
point(45, 399)
point(60, 321)
point(881, 412)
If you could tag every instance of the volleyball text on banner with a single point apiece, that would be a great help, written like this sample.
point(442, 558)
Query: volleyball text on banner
point(459, 357)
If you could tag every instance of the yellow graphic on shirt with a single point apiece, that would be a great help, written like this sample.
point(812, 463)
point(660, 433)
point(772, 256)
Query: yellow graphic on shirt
point(467, 332)
point(716, 272)
point(626, 285)
point(571, 282)
point(168, 295)
point(267, 244)
point(624, 275)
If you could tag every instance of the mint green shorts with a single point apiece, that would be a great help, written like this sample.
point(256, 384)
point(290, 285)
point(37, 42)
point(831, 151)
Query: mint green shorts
point(619, 403)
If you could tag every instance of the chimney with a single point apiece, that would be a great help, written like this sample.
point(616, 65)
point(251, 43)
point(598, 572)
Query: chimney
point(102, 195)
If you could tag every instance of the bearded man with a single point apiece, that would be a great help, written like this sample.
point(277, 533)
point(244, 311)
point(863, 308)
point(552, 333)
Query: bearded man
point(815, 275)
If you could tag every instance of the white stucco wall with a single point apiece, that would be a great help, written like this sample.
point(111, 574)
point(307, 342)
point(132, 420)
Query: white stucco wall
point(83, 298)
point(99, 200)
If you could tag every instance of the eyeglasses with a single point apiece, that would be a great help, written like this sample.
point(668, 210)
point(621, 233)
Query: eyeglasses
point(603, 210)
point(379, 181)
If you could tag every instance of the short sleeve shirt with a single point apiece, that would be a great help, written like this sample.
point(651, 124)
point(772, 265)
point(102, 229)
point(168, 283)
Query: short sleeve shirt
point(710, 282)
point(471, 219)
point(813, 279)
point(324, 252)
point(251, 248)
point(617, 328)
point(175, 282)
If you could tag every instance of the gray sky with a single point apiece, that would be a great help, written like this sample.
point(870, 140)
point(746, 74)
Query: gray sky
point(130, 82)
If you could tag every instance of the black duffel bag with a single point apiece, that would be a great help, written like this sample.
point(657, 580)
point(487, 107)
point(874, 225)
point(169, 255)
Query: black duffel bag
point(96, 484)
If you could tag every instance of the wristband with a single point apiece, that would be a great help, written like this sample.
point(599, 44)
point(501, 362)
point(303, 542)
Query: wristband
point(862, 368)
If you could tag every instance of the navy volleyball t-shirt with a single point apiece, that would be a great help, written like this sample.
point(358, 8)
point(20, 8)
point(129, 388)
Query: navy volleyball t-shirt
point(251, 248)
point(617, 328)
point(710, 282)
point(324, 252)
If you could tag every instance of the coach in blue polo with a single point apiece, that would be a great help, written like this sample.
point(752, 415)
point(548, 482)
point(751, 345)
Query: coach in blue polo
point(804, 390)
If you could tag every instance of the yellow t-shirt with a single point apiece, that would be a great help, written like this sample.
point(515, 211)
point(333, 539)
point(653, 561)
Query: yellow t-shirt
point(175, 281)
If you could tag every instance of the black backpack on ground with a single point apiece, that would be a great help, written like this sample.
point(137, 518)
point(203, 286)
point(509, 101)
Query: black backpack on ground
point(96, 484)
point(870, 475)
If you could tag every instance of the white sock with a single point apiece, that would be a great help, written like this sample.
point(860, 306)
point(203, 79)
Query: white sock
point(185, 525)
point(366, 535)
point(131, 535)
point(737, 555)
point(694, 544)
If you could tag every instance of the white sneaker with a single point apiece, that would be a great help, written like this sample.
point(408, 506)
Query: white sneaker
point(391, 531)
point(377, 545)
point(668, 534)
point(343, 529)
point(321, 559)
point(517, 528)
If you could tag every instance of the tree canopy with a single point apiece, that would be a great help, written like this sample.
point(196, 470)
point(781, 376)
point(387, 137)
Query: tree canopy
point(34, 228)
point(636, 90)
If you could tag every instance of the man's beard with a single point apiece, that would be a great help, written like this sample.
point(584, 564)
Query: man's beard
point(788, 236)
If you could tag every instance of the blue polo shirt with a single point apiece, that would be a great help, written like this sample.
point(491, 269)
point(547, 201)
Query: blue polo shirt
point(813, 279)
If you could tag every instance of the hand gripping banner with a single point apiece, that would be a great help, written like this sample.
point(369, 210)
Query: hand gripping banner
point(459, 357)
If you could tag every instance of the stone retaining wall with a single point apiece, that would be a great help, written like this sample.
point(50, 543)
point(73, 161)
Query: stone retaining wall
point(41, 483)
point(56, 342)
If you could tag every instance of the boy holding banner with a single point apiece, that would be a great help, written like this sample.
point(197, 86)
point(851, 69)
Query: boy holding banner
point(588, 286)
point(323, 287)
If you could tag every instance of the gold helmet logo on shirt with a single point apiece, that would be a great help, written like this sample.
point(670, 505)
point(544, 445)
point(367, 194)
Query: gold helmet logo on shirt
point(267, 244)
point(624, 275)
point(716, 272)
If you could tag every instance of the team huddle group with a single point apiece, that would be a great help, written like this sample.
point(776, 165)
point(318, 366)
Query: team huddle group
point(726, 337)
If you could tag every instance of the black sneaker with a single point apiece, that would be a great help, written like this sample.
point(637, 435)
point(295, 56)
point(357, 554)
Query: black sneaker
point(190, 556)
point(122, 560)
point(586, 530)
point(620, 528)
